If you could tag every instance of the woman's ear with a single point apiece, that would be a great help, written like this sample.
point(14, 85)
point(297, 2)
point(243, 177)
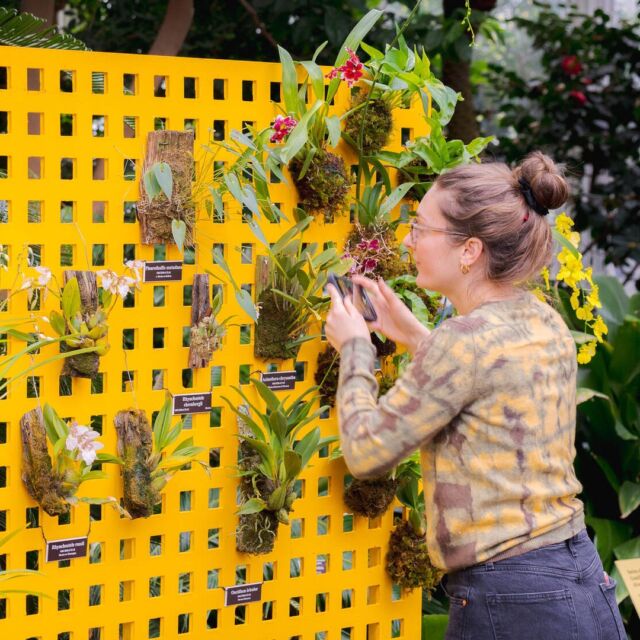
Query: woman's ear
point(472, 251)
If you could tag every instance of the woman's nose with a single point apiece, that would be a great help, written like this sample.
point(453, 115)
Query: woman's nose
point(406, 241)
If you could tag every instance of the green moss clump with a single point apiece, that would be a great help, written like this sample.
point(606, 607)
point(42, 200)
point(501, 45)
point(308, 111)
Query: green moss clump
point(377, 127)
point(325, 185)
point(370, 498)
point(135, 447)
point(407, 561)
point(84, 365)
point(44, 485)
point(327, 374)
point(272, 339)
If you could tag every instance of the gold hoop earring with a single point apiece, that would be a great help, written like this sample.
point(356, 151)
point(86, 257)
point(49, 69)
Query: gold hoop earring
point(464, 268)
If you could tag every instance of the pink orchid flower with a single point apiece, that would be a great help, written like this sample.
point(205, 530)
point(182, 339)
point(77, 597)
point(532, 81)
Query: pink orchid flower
point(351, 70)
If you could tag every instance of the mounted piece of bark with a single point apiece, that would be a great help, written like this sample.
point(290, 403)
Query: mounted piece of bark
point(84, 365)
point(206, 333)
point(135, 446)
point(42, 483)
point(176, 149)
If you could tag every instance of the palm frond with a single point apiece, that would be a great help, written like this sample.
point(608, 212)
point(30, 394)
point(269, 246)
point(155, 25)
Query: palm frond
point(26, 30)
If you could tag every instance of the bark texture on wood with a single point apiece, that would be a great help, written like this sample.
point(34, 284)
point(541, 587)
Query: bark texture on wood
point(42, 483)
point(200, 347)
point(84, 365)
point(135, 446)
point(262, 274)
point(176, 149)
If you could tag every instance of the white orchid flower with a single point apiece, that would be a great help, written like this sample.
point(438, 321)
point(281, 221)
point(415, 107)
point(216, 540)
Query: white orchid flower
point(107, 279)
point(44, 275)
point(135, 266)
point(27, 284)
point(123, 286)
point(81, 441)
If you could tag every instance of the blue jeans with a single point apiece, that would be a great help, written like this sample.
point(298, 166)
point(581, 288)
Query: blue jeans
point(557, 592)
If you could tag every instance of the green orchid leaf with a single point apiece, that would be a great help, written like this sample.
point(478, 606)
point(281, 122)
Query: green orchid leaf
point(179, 232)
point(164, 177)
point(254, 505)
point(71, 301)
point(161, 426)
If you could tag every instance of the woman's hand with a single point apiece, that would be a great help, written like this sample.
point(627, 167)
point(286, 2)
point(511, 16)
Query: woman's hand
point(395, 320)
point(344, 321)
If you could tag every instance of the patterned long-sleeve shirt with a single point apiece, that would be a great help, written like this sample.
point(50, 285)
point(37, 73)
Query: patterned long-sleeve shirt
point(490, 400)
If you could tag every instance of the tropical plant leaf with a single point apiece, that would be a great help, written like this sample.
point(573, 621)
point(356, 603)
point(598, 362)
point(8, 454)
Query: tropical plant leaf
point(179, 232)
point(164, 177)
point(26, 30)
point(71, 301)
point(254, 505)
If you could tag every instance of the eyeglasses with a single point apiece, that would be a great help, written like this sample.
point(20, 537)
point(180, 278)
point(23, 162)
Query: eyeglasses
point(414, 227)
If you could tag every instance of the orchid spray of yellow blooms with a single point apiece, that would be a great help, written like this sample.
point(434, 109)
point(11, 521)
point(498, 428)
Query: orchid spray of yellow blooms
point(584, 297)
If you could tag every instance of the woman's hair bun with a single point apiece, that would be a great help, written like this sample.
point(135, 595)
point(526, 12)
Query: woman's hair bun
point(548, 185)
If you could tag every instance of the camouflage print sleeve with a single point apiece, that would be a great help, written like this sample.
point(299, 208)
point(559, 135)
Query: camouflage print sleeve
point(432, 390)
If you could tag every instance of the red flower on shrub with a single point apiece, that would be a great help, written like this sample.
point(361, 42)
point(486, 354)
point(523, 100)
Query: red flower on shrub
point(579, 97)
point(282, 127)
point(571, 65)
point(351, 70)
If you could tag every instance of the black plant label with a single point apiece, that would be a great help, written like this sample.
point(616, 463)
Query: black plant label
point(162, 271)
point(242, 593)
point(184, 403)
point(66, 549)
point(279, 380)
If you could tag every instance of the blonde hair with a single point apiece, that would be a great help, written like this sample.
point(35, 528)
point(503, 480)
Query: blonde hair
point(487, 201)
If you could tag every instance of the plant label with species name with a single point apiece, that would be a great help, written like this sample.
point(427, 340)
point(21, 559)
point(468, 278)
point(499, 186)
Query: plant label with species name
point(66, 549)
point(162, 271)
point(242, 593)
point(279, 380)
point(184, 403)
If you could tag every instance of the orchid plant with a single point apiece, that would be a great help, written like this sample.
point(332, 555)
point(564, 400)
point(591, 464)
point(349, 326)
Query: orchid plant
point(53, 479)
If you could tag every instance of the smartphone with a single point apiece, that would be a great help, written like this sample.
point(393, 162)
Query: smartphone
point(359, 298)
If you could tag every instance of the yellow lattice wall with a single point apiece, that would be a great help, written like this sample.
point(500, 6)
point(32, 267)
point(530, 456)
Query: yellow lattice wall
point(160, 577)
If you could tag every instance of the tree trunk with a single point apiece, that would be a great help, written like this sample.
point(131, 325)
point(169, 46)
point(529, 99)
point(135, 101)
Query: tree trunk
point(174, 29)
point(176, 149)
point(456, 74)
point(200, 346)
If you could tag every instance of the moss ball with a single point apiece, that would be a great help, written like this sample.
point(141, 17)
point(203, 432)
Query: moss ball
point(407, 561)
point(370, 498)
point(325, 185)
point(256, 532)
point(377, 125)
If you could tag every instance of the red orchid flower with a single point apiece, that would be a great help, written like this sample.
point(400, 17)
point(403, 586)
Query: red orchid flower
point(351, 70)
point(369, 265)
point(374, 245)
point(579, 97)
point(282, 127)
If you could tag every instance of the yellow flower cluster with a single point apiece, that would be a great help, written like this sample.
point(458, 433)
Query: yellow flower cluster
point(572, 273)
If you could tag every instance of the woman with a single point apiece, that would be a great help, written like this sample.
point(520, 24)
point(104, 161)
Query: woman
point(489, 398)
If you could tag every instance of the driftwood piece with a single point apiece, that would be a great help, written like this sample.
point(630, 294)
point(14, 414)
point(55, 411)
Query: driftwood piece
point(176, 149)
point(42, 483)
point(200, 346)
point(135, 446)
point(262, 274)
point(84, 365)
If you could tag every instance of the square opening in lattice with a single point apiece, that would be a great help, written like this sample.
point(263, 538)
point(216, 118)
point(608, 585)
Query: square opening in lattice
point(297, 528)
point(184, 582)
point(347, 523)
point(190, 88)
point(34, 79)
point(268, 571)
point(155, 627)
point(187, 295)
point(4, 78)
point(129, 169)
point(184, 541)
point(348, 560)
point(295, 606)
point(155, 586)
point(214, 457)
point(3, 477)
point(95, 553)
point(33, 386)
point(158, 338)
point(95, 595)
point(214, 498)
point(129, 84)
point(35, 167)
point(240, 614)
point(128, 252)
point(155, 545)
point(126, 548)
point(268, 609)
point(67, 80)
point(217, 376)
point(212, 619)
point(405, 135)
point(219, 127)
point(160, 86)
point(98, 82)
point(159, 124)
point(191, 124)
point(322, 528)
point(66, 124)
point(128, 339)
point(396, 592)
point(34, 211)
point(64, 599)
point(32, 605)
point(98, 126)
point(64, 518)
point(129, 126)
point(4, 122)
point(125, 590)
point(67, 168)
point(186, 500)
point(129, 212)
point(244, 373)
point(128, 381)
point(187, 378)
point(95, 512)
point(219, 89)
point(99, 168)
point(213, 539)
point(274, 91)
point(296, 566)
point(159, 296)
point(397, 628)
point(97, 383)
point(373, 594)
point(373, 556)
point(322, 602)
point(32, 560)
